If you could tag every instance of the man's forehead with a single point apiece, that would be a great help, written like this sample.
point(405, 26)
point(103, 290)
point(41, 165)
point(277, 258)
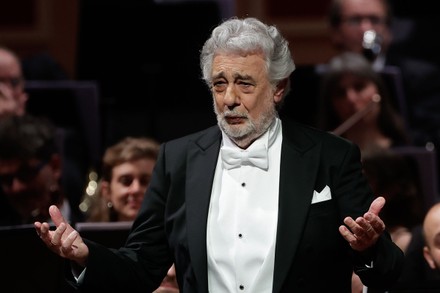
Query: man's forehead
point(363, 7)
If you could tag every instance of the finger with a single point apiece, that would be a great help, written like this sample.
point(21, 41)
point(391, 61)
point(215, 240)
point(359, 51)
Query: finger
point(68, 242)
point(58, 234)
point(363, 223)
point(37, 226)
point(44, 232)
point(56, 215)
point(377, 224)
point(44, 229)
point(377, 205)
point(351, 224)
point(346, 234)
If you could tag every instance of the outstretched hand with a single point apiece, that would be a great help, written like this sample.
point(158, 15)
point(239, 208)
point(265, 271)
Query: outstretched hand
point(364, 232)
point(64, 240)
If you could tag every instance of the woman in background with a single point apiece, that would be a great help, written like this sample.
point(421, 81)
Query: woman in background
point(351, 88)
point(126, 173)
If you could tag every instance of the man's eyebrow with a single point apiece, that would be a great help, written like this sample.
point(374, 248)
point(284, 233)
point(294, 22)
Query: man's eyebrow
point(236, 76)
point(241, 76)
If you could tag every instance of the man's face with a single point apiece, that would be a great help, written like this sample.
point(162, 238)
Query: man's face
point(358, 16)
point(244, 99)
point(11, 82)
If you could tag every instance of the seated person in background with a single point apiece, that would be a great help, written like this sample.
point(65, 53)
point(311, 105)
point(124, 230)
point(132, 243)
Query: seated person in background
point(30, 170)
point(421, 272)
point(12, 95)
point(126, 172)
point(351, 22)
point(355, 104)
point(127, 167)
point(14, 100)
point(431, 233)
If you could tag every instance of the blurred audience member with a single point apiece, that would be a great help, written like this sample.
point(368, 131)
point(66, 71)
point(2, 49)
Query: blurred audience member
point(416, 271)
point(12, 96)
point(364, 27)
point(421, 272)
point(30, 170)
point(355, 104)
point(127, 167)
point(431, 232)
point(349, 21)
point(126, 172)
point(14, 101)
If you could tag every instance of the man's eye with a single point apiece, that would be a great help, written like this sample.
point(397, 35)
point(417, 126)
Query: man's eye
point(219, 86)
point(219, 83)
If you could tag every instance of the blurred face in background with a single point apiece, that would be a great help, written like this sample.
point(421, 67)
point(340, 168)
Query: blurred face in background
point(352, 94)
point(358, 16)
point(11, 83)
point(30, 186)
point(431, 231)
point(127, 188)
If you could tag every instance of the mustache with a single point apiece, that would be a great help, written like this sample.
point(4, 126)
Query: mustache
point(233, 113)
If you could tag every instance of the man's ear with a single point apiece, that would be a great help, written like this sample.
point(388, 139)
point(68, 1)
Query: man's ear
point(428, 257)
point(280, 90)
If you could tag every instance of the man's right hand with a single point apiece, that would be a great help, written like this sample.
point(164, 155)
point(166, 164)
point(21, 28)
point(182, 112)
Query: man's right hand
point(64, 240)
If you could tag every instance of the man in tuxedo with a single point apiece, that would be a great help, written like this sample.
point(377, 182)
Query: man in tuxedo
point(253, 204)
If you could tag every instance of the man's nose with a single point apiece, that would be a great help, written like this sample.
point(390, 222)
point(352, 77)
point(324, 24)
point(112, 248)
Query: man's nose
point(231, 97)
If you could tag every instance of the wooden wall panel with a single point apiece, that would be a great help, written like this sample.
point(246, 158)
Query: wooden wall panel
point(303, 23)
point(34, 26)
point(30, 26)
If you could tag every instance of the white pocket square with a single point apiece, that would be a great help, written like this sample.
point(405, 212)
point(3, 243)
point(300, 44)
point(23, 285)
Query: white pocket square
point(324, 195)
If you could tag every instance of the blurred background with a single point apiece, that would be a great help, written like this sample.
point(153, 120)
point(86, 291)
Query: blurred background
point(143, 54)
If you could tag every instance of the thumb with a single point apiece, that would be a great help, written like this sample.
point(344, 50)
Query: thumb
point(377, 205)
point(56, 215)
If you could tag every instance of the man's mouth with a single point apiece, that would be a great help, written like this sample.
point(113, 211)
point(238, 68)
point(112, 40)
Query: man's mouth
point(234, 119)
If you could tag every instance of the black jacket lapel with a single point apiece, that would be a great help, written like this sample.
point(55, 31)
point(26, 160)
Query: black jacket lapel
point(299, 165)
point(201, 162)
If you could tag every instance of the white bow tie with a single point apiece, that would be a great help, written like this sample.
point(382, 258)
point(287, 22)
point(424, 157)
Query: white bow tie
point(234, 158)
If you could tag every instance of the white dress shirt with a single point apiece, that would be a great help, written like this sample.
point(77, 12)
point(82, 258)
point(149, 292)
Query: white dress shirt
point(242, 221)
